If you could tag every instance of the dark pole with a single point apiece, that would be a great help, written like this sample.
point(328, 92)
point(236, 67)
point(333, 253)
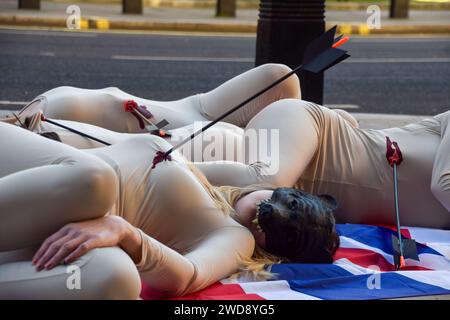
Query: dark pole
point(132, 6)
point(30, 4)
point(285, 28)
point(226, 8)
point(399, 9)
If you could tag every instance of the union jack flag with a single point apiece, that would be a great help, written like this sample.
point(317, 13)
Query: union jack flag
point(363, 269)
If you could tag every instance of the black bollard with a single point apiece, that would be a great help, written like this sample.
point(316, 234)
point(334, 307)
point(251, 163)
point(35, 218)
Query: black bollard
point(285, 28)
point(399, 9)
point(226, 8)
point(132, 6)
point(30, 4)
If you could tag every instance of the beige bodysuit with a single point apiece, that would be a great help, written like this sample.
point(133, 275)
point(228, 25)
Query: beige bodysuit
point(319, 151)
point(188, 243)
point(323, 151)
point(351, 165)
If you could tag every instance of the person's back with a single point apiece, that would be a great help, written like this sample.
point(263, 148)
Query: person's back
point(351, 165)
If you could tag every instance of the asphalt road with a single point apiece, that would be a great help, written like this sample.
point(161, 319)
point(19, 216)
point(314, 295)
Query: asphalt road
point(384, 75)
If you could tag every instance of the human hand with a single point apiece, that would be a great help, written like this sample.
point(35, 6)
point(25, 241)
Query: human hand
point(75, 239)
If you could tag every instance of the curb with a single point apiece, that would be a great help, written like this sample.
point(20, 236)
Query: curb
point(191, 4)
point(99, 23)
point(356, 6)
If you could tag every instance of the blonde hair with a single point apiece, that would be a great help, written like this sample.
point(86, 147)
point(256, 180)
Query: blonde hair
point(224, 198)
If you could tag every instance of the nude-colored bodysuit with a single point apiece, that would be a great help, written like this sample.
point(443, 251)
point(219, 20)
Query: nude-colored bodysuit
point(350, 164)
point(322, 152)
point(188, 243)
point(319, 150)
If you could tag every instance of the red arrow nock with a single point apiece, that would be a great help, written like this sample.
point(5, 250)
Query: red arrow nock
point(393, 153)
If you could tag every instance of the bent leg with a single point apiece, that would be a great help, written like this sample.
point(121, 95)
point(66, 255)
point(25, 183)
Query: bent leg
point(104, 107)
point(440, 181)
point(288, 131)
point(243, 86)
point(101, 107)
point(105, 273)
point(45, 184)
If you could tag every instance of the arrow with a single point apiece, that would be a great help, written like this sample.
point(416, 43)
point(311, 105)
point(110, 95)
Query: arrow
point(320, 54)
point(43, 118)
point(403, 247)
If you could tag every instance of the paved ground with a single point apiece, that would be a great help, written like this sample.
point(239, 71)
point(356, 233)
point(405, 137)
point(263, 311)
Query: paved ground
point(113, 11)
point(384, 75)
point(202, 19)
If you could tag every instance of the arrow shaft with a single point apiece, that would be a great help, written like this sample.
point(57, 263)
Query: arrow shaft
point(397, 211)
point(192, 136)
point(145, 119)
point(77, 132)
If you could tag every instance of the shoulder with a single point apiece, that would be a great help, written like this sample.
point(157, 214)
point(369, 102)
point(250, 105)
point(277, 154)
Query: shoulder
point(236, 238)
point(443, 118)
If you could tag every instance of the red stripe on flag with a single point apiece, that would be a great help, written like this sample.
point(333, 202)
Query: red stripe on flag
point(405, 232)
point(366, 258)
point(217, 291)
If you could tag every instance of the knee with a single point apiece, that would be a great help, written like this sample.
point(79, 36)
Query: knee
point(290, 87)
point(440, 187)
point(113, 275)
point(97, 185)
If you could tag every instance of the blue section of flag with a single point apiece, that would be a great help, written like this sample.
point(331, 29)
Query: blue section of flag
point(304, 272)
point(332, 282)
point(329, 281)
point(356, 287)
point(377, 237)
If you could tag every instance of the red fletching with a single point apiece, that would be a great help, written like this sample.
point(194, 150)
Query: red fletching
point(340, 42)
point(393, 153)
point(160, 157)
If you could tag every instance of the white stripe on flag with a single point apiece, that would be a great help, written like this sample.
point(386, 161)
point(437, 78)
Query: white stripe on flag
point(275, 290)
point(427, 260)
point(430, 261)
point(435, 278)
point(442, 248)
point(425, 235)
point(353, 268)
point(353, 244)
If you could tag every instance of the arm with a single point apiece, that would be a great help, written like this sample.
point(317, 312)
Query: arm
point(440, 180)
point(293, 137)
point(215, 258)
point(232, 173)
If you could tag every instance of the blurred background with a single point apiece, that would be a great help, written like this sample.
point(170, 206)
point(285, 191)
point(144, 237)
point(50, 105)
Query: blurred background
point(169, 49)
